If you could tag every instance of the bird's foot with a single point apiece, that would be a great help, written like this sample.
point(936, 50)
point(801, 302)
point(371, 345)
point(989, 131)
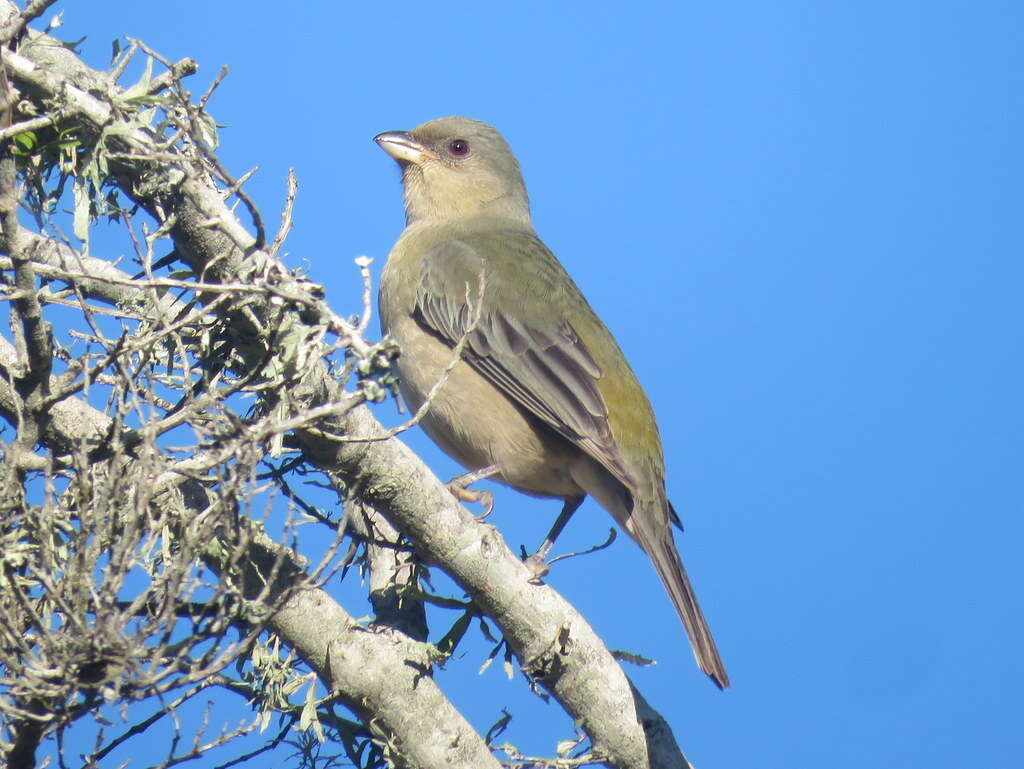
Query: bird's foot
point(536, 563)
point(457, 486)
point(484, 498)
point(538, 567)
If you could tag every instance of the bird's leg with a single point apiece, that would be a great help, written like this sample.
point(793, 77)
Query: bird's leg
point(457, 486)
point(536, 562)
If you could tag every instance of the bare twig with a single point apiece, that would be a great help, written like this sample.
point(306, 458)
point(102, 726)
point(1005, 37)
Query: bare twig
point(286, 215)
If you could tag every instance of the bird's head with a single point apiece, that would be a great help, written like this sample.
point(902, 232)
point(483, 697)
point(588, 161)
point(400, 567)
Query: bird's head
point(453, 168)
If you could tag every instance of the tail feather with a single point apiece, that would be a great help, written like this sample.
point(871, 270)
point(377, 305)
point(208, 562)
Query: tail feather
point(648, 518)
point(669, 566)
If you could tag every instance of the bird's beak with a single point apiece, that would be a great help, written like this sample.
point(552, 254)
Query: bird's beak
point(402, 147)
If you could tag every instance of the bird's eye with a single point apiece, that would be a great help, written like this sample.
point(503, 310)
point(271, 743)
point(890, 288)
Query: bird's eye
point(459, 147)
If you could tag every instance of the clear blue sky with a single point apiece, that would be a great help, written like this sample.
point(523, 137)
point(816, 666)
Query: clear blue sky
point(802, 220)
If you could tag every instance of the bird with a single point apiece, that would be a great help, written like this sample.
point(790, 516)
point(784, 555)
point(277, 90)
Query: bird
point(538, 395)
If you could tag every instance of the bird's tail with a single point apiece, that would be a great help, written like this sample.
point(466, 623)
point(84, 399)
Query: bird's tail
point(648, 520)
point(662, 551)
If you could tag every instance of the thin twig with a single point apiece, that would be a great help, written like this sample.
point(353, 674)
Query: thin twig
point(286, 215)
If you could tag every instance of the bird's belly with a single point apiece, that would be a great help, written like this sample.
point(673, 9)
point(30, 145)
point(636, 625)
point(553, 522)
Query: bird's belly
point(477, 425)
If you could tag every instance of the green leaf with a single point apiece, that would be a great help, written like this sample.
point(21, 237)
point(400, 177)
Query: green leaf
point(142, 86)
point(208, 129)
point(26, 140)
point(309, 716)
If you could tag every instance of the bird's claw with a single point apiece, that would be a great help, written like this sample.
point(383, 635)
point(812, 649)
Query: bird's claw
point(538, 568)
point(484, 498)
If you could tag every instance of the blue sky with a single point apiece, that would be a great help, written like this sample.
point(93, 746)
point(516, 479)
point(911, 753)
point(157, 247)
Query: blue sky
point(802, 220)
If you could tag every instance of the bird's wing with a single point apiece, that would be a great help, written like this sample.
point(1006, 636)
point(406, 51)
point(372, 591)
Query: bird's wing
point(544, 367)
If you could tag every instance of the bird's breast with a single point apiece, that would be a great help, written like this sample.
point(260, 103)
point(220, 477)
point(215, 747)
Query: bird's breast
point(474, 422)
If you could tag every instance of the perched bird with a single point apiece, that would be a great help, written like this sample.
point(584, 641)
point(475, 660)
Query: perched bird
point(542, 398)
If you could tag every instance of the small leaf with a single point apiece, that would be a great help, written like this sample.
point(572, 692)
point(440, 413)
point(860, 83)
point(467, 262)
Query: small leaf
point(290, 687)
point(208, 130)
point(564, 747)
point(491, 657)
point(26, 140)
point(451, 639)
point(498, 727)
point(140, 88)
point(632, 657)
point(56, 22)
point(263, 719)
point(309, 716)
point(81, 218)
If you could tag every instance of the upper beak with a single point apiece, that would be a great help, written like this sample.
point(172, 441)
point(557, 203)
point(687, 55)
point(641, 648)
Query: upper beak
point(402, 147)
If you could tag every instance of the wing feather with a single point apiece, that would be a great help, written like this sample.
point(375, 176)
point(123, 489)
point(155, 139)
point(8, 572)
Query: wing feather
point(547, 371)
